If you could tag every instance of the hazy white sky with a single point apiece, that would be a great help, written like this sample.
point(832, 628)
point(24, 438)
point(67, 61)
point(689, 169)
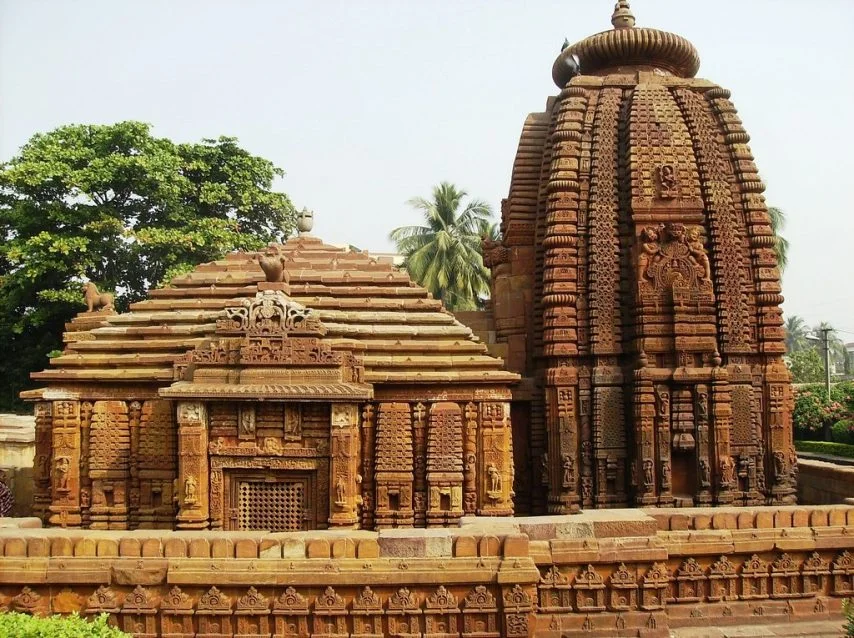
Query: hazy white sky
point(366, 104)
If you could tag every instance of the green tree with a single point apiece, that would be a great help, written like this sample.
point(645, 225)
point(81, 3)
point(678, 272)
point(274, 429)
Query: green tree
point(807, 366)
point(444, 255)
point(117, 206)
point(796, 333)
point(781, 247)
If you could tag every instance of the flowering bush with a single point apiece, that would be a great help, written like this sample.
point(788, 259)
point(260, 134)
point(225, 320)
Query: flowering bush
point(813, 411)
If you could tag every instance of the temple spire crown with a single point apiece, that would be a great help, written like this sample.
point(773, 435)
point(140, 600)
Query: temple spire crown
point(622, 17)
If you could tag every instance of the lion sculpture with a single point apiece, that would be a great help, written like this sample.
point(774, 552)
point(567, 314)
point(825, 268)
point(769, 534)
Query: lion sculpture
point(96, 300)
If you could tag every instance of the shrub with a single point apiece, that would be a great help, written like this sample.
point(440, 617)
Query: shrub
point(848, 610)
point(826, 447)
point(813, 411)
point(844, 393)
point(26, 626)
point(843, 431)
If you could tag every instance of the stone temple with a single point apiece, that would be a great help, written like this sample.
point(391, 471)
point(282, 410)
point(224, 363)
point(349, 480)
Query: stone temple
point(220, 443)
point(636, 302)
point(636, 290)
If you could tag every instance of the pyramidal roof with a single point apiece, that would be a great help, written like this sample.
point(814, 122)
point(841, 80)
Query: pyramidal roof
point(368, 307)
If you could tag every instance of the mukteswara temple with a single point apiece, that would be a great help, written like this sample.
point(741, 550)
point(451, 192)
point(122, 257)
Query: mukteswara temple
point(636, 304)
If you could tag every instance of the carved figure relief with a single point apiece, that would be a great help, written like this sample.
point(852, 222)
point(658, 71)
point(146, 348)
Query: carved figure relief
point(673, 257)
point(667, 182)
point(190, 490)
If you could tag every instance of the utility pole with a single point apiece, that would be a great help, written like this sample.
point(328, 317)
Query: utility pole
point(825, 335)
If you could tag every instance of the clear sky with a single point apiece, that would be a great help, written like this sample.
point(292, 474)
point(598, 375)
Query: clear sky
point(366, 104)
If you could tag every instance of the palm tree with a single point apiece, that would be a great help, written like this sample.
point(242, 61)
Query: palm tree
point(796, 333)
point(444, 255)
point(778, 223)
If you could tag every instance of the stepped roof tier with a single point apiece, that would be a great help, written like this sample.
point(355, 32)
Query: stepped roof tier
point(368, 307)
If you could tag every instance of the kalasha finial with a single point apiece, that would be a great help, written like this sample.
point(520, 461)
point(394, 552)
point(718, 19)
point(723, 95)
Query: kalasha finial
point(623, 17)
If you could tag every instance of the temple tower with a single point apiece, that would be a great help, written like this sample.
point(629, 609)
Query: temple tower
point(637, 289)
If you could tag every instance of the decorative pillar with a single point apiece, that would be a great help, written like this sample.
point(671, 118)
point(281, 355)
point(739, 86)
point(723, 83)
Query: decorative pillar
point(419, 456)
point(707, 462)
point(109, 461)
point(566, 448)
point(394, 466)
point(722, 428)
point(134, 414)
point(470, 452)
point(43, 460)
point(643, 469)
point(444, 465)
point(778, 417)
point(86, 410)
point(65, 471)
point(368, 436)
point(192, 487)
point(495, 458)
point(344, 465)
point(665, 463)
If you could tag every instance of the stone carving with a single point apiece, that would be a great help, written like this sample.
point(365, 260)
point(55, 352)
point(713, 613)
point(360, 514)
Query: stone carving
point(667, 182)
point(96, 300)
point(270, 313)
point(273, 264)
point(190, 490)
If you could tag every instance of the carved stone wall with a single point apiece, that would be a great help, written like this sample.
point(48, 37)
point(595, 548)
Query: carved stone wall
point(628, 573)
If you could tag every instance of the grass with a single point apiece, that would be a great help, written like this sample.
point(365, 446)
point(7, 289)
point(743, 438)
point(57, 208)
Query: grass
point(826, 447)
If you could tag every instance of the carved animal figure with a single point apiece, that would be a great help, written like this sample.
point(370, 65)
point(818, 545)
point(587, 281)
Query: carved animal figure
point(96, 300)
point(273, 266)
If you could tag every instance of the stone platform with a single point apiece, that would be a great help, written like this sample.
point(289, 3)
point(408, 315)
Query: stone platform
point(603, 573)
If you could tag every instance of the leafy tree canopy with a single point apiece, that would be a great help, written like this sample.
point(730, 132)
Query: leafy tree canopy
point(444, 255)
point(807, 366)
point(117, 206)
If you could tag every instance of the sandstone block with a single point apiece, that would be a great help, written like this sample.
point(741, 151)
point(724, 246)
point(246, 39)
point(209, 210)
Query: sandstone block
point(724, 520)
point(199, 548)
point(318, 548)
point(764, 520)
point(85, 547)
point(836, 516)
point(818, 518)
point(343, 548)
point(107, 547)
point(151, 548)
point(679, 522)
point(368, 548)
point(702, 522)
point(175, 548)
point(130, 547)
point(245, 548)
point(515, 546)
point(465, 547)
point(489, 546)
point(293, 548)
point(38, 546)
point(800, 518)
point(269, 549)
point(222, 548)
point(15, 547)
point(782, 518)
point(745, 520)
point(61, 546)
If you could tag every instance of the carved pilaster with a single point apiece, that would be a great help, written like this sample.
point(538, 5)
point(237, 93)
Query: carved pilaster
point(344, 475)
point(495, 460)
point(722, 426)
point(109, 465)
point(470, 454)
point(643, 467)
point(567, 450)
point(419, 441)
point(444, 464)
point(86, 410)
point(65, 470)
point(394, 466)
point(192, 488)
point(368, 437)
point(134, 414)
point(43, 460)
point(665, 462)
